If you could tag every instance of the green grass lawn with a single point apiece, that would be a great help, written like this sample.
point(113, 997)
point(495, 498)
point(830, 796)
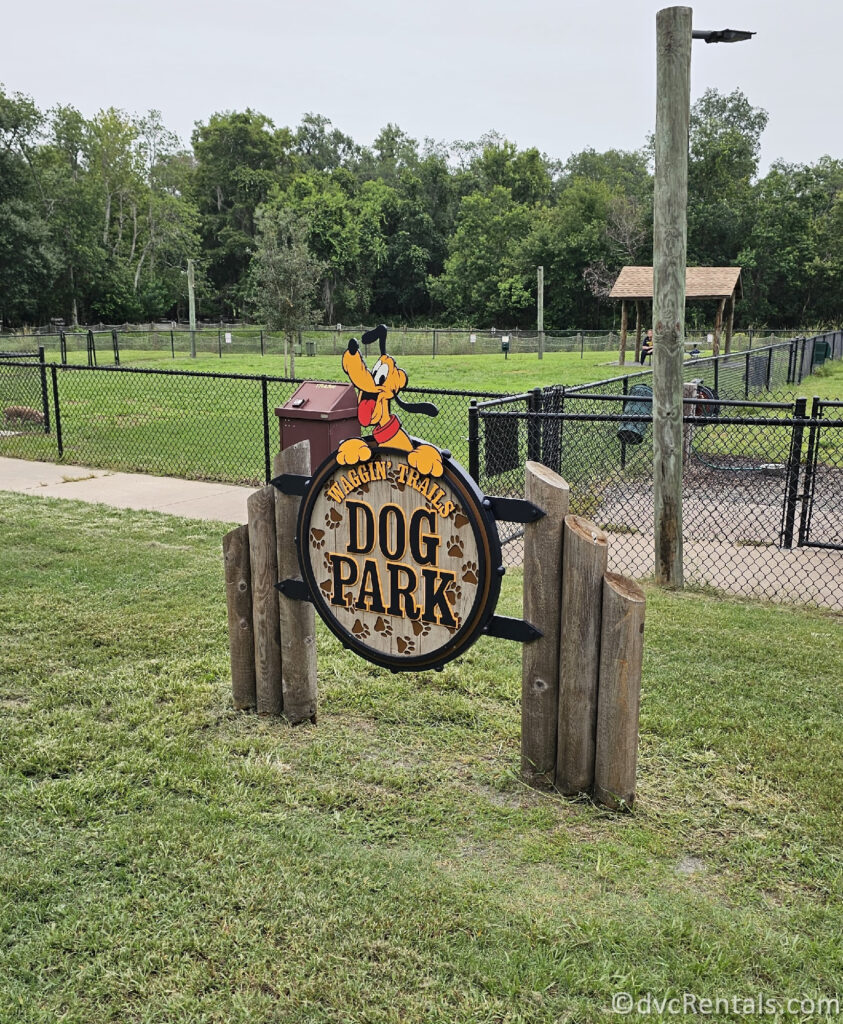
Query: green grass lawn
point(165, 859)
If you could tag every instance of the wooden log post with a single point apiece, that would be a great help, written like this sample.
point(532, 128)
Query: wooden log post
point(730, 325)
point(542, 607)
point(584, 558)
point(619, 691)
point(638, 326)
point(297, 618)
point(264, 566)
point(718, 327)
point(241, 633)
point(624, 325)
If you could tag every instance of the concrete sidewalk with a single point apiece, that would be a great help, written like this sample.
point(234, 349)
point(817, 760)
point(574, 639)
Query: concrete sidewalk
point(193, 499)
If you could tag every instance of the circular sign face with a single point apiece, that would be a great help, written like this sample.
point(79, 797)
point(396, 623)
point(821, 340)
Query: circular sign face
point(404, 568)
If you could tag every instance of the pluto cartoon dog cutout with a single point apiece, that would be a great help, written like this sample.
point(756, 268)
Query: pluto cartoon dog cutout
point(376, 389)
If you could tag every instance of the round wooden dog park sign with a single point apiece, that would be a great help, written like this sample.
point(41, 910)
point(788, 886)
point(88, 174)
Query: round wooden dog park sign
point(403, 567)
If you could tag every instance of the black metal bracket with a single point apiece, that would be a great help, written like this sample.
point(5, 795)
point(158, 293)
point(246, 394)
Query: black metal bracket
point(291, 483)
point(513, 510)
point(296, 590)
point(506, 628)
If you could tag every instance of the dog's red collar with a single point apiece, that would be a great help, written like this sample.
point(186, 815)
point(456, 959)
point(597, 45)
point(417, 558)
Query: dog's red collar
point(388, 430)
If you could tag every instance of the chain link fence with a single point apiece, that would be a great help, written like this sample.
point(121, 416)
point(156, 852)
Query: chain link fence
point(762, 483)
point(122, 345)
point(200, 426)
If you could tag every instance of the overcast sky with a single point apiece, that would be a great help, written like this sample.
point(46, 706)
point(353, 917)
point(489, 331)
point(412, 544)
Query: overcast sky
point(560, 75)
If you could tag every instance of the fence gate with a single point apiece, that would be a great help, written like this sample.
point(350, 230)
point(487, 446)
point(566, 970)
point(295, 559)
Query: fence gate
point(820, 523)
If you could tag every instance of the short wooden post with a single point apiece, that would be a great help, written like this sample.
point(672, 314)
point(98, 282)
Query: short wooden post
point(584, 558)
point(238, 599)
point(264, 565)
point(619, 691)
point(297, 618)
point(542, 607)
point(624, 325)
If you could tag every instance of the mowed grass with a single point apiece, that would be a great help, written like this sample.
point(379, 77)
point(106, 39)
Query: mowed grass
point(167, 859)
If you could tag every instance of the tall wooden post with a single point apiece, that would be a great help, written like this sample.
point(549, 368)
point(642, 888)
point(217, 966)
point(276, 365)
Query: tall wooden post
point(638, 326)
point(624, 324)
point(191, 298)
point(730, 325)
point(540, 311)
point(718, 327)
point(542, 607)
point(670, 235)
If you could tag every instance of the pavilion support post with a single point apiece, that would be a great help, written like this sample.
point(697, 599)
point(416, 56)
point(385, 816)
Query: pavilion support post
point(718, 327)
point(670, 237)
point(730, 324)
point(624, 324)
point(638, 326)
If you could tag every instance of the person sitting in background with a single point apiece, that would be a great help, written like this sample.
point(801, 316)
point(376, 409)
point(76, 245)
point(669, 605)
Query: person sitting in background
point(647, 347)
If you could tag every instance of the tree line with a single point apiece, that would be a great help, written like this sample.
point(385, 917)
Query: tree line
point(99, 216)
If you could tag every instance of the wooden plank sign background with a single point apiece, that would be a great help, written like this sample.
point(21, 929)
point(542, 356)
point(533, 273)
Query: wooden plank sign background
point(403, 567)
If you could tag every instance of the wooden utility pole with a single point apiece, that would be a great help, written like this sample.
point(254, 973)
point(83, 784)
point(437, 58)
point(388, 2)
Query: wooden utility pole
point(191, 298)
point(670, 236)
point(540, 311)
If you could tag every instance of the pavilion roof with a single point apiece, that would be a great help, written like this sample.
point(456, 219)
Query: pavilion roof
point(700, 283)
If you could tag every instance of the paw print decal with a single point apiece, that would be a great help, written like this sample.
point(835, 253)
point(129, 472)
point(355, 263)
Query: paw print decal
point(333, 519)
point(460, 520)
point(405, 645)
point(456, 625)
point(327, 558)
point(420, 628)
point(360, 629)
point(327, 586)
point(317, 537)
point(455, 548)
point(453, 592)
point(383, 626)
point(469, 573)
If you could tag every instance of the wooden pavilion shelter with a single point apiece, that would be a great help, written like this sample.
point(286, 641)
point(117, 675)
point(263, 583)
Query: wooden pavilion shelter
point(635, 284)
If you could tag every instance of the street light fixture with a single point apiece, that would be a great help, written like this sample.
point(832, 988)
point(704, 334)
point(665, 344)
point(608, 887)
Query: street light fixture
point(723, 35)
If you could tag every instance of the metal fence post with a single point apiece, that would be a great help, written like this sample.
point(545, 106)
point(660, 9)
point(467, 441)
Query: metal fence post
point(717, 375)
point(45, 402)
point(746, 377)
point(267, 462)
point(90, 346)
point(810, 467)
point(534, 426)
point(623, 443)
point(793, 467)
point(115, 344)
point(262, 342)
point(63, 347)
point(172, 345)
point(474, 441)
point(56, 410)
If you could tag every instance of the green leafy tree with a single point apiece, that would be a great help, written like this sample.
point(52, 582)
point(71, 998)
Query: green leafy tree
point(284, 276)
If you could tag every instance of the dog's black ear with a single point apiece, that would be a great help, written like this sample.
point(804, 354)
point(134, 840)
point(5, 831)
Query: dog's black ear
point(353, 346)
point(376, 334)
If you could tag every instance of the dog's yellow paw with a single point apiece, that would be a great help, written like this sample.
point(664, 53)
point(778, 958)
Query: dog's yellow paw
point(426, 459)
point(352, 451)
